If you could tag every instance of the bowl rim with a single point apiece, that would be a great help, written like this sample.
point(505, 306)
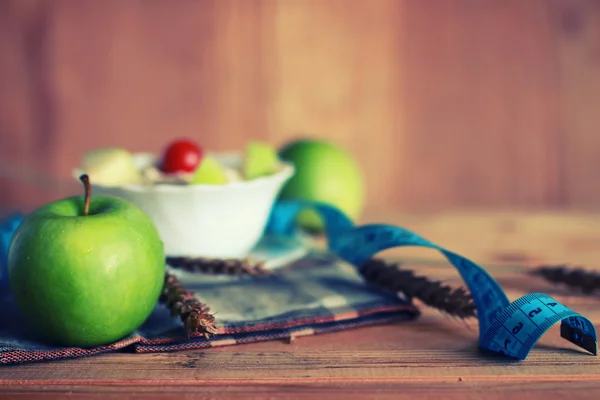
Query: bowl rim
point(283, 174)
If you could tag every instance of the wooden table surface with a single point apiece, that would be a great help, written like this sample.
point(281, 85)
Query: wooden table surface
point(432, 357)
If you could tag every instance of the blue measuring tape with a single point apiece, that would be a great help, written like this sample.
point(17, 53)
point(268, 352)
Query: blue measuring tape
point(504, 327)
point(7, 227)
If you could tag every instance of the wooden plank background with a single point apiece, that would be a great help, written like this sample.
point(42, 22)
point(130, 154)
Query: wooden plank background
point(464, 103)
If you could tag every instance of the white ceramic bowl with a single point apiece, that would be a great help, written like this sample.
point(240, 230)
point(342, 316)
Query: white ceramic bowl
point(221, 221)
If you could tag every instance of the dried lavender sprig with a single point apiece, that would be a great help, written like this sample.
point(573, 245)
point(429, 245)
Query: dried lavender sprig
point(219, 266)
point(195, 315)
point(573, 277)
point(456, 302)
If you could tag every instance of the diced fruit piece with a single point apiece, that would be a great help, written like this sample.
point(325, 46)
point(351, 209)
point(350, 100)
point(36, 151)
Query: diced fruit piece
point(182, 155)
point(260, 159)
point(111, 167)
point(210, 172)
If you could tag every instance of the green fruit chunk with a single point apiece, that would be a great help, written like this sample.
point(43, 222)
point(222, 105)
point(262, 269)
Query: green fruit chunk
point(325, 173)
point(260, 159)
point(210, 172)
point(111, 167)
point(86, 280)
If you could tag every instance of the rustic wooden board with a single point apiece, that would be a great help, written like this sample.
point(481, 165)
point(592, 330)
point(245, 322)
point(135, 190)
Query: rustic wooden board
point(432, 357)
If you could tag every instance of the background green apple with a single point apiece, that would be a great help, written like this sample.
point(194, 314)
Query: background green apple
point(325, 173)
point(86, 280)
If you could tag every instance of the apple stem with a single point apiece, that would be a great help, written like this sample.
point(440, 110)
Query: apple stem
point(88, 193)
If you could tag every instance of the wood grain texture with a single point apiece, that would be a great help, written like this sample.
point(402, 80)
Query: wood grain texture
point(384, 390)
point(444, 104)
point(481, 121)
point(432, 357)
point(577, 30)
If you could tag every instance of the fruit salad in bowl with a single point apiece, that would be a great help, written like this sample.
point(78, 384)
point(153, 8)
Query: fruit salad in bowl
point(203, 204)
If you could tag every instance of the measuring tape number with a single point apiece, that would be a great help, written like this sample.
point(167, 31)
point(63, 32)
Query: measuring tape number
point(504, 327)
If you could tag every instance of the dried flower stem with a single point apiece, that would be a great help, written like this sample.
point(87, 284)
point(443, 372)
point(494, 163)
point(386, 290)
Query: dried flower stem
point(193, 313)
point(456, 302)
point(573, 277)
point(219, 266)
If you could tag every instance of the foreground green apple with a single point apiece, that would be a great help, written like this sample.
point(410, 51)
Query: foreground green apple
point(325, 173)
point(86, 278)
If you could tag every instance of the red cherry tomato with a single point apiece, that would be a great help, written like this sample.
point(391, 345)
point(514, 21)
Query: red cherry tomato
point(181, 155)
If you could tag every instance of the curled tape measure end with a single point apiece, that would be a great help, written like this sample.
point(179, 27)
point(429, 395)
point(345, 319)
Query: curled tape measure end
point(585, 341)
point(507, 328)
point(519, 326)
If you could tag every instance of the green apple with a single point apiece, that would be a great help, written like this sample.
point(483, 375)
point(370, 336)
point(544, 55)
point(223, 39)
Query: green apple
point(260, 159)
point(86, 272)
point(325, 173)
point(209, 172)
point(111, 167)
